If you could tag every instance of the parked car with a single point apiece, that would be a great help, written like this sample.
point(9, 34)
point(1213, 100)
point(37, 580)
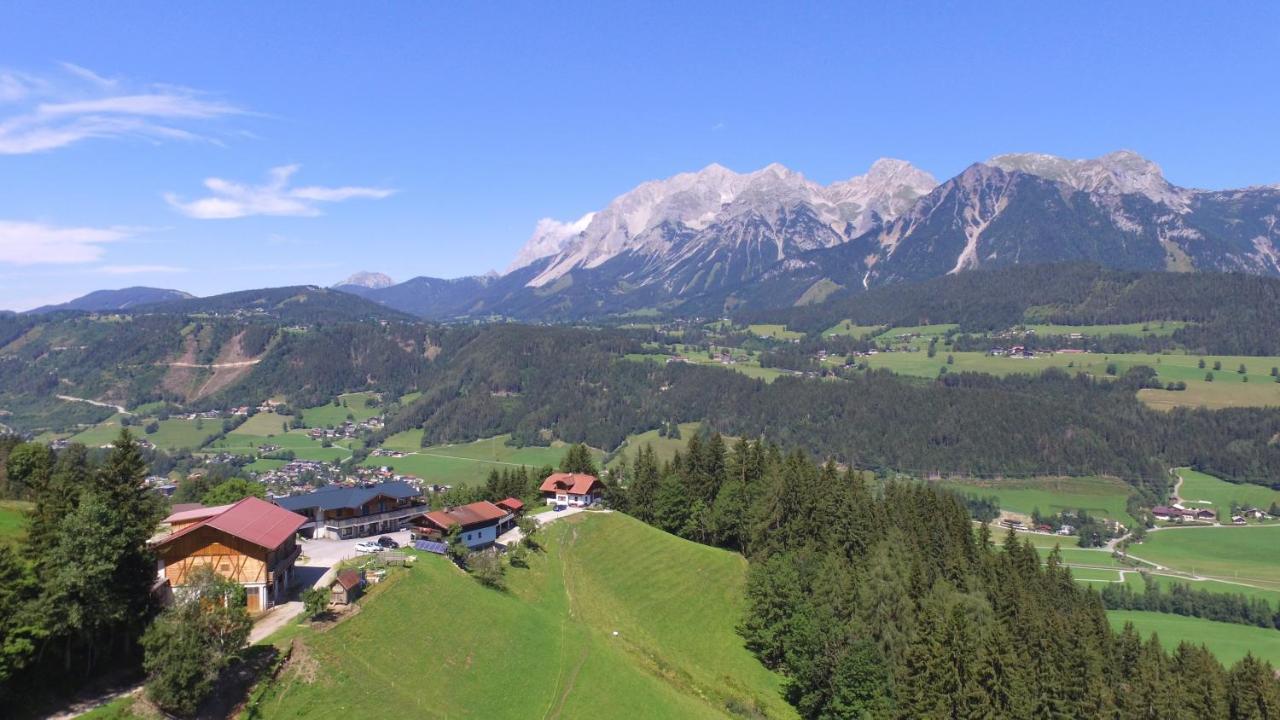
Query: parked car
point(558, 508)
point(388, 543)
point(368, 546)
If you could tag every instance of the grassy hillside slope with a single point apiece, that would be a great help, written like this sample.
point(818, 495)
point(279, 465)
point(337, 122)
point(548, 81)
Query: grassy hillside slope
point(437, 644)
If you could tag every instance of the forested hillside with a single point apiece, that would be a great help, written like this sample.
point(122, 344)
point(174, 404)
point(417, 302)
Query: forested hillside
point(1234, 314)
point(882, 602)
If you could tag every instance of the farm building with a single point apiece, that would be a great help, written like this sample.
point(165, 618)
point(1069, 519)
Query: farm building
point(252, 542)
point(346, 589)
point(346, 512)
point(571, 489)
point(480, 522)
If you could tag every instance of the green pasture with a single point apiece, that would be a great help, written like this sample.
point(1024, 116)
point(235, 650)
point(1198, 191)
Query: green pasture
point(1198, 487)
point(614, 619)
point(1154, 328)
point(847, 328)
point(1099, 496)
point(777, 332)
point(13, 520)
point(465, 463)
point(664, 447)
point(1232, 553)
point(353, 404)
point(1228, 641)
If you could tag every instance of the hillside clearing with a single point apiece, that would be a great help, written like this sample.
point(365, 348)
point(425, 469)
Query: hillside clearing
point(438, 644)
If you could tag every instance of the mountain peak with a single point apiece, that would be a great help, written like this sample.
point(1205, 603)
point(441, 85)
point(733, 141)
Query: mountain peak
point(1123, 172)
point(373, 280)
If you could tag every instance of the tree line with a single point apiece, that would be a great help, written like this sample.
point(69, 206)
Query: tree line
point(879, 600)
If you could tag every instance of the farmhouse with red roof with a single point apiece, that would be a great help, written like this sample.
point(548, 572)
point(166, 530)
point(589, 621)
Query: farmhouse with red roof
point(480, 523)
point(252, 542)
point(571, 489)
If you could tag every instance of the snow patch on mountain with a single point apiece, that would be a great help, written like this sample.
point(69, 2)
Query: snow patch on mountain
point(549, 237)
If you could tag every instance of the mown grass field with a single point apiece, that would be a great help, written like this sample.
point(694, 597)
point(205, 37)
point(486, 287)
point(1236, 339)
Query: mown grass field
point(615, 619)
point(465, 463)
point(664, 447)
point(1228, 641)
point(173, 434)
point(777, 332)
point(748, 366)
point(353, 404)
point(925, 332)
point(13, 521)
point(849, 329)
point(1155, 328)
point(1228, 388)
point(1268, 592)
point(264, 424)
point(1099, 496)
point(1198, 487)
point(303, 447)
point(1222, 552)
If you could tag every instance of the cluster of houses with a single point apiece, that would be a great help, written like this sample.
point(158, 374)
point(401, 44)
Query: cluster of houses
point(256, 542)
point(348, 429)
point(1177, 513)
point(1016, 351)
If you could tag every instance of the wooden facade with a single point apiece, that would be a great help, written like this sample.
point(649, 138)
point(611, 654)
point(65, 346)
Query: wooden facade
point(264, 573)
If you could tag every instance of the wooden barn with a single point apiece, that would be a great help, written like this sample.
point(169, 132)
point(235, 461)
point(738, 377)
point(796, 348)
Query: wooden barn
point(252, 542)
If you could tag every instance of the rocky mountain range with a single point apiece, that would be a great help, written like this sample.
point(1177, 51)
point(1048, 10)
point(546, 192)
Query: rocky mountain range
point(714, 240)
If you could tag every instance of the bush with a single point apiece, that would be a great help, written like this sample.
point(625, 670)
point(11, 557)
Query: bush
point(314, 602)
point(486, 567)
point(190, 643)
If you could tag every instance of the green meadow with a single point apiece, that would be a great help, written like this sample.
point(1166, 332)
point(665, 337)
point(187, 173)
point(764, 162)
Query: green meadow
point(664, 447)
point(1233, 553)
point(351, 404)
point(1228, 388)
point(264, 424)
point(1270, 593)
point(465, 463)
point(849, 329)
point(1203, 490)
point(614, 619)
point(13, 520)
point(1099, 496)
point(777, 332)
point(303, 447)
point(1155, 328)
point(173, 434)
point(925, 332)
point(1228, 641)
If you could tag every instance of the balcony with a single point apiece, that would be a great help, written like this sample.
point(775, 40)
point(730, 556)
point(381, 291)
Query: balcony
point(399, 514)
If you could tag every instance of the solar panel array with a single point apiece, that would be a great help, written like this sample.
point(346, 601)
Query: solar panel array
point(431, 547)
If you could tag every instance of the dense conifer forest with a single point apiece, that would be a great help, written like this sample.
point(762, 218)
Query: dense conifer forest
point(879, 600)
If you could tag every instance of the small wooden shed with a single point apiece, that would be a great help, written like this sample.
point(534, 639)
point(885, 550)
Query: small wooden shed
point(346, 589)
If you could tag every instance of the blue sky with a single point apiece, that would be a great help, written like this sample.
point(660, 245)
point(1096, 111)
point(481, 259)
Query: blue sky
point(429, 138)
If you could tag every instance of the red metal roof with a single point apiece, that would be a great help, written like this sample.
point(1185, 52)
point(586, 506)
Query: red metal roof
point(196, 513)
point(253, 520)
point(573, 483)
point(477, 513)
point(511, 504)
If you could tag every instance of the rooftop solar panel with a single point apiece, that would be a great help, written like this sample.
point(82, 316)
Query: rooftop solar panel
point(431, 547)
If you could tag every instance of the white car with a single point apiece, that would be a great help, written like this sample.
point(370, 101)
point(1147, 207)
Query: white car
point(368, 546)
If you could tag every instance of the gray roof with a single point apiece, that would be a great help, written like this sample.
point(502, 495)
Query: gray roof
point(334, 497)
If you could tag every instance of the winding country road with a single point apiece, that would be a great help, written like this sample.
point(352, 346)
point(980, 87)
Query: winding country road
point(118, 408)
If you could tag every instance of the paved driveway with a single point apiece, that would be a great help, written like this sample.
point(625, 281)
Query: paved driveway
point(327, 553)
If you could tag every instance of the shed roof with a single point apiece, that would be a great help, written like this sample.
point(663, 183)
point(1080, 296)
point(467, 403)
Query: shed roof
point(349, 579)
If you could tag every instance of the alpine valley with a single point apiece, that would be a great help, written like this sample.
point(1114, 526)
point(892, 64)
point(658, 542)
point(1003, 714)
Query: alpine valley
point(715, 240)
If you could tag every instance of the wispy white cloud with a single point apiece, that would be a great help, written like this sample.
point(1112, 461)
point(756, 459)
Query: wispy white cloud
point(138, 269)
point(34, 243)
point(80, 104)
point(276, 197)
